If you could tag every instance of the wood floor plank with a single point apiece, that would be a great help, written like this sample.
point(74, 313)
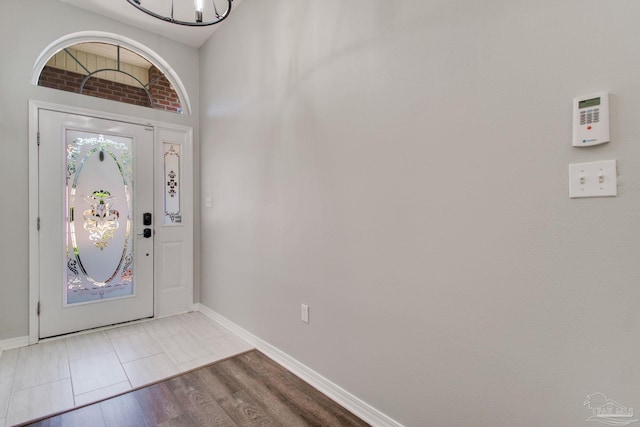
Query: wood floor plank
point(218, 386)
point(201, 407)
point(258, 389)
point(123, 411)
point(246, 390)
point(241, 407)
point(158, 404)
point(254, 413)
point(313, 406)
point(221, 387)
point(87, 416)
point(181, 421)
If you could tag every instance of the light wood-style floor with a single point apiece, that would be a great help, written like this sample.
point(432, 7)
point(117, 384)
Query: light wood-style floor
point(64, 373)
point(245, 390)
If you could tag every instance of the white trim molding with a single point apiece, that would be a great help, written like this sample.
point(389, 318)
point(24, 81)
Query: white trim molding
point(104, 37)
point(330, 389)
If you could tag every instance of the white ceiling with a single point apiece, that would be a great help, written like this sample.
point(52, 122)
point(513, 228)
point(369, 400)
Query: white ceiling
point(122, 11)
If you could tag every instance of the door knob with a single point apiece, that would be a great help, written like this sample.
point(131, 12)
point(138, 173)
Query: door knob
point(146, 233)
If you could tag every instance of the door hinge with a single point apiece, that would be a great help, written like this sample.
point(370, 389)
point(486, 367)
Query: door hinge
point(38, 309)
point(38, 138)
point(38, 224)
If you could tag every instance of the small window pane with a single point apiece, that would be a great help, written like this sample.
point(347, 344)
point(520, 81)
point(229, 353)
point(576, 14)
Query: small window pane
point(172, 212)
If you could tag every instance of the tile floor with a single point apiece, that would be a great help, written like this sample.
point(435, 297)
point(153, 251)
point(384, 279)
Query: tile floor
point(59, 374)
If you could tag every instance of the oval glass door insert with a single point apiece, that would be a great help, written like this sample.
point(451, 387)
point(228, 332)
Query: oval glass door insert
point(99, 241)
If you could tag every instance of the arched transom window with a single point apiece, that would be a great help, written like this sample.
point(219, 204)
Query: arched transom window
point(110, 71)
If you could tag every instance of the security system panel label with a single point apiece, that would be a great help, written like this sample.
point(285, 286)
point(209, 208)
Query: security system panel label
point(591, 120)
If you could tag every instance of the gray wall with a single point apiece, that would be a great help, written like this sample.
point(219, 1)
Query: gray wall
point(28, 28)
point(401, 167)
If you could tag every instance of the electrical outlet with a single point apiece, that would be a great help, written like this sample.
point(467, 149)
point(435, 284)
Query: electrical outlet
point(304, 313)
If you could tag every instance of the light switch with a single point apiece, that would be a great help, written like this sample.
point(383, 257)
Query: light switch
point(207, 202)
point(594, 179)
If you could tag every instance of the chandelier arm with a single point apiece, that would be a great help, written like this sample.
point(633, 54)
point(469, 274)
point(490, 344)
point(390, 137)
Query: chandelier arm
point(215, 9)
point(220, 17)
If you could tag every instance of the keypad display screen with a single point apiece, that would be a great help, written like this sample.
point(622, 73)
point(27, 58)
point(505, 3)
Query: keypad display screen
point(589, 103)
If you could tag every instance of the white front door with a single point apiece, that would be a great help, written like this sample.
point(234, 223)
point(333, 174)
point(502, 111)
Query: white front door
point(95, 205)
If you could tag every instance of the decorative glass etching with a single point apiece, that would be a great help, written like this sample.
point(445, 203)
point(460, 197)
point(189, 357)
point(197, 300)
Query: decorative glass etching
point(172, 213)
point(99, 241)
point(100, 220)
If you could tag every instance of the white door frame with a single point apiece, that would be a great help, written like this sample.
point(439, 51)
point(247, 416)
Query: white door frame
point(178, 297)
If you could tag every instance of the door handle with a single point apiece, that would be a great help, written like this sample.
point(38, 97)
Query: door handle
point(146, 233)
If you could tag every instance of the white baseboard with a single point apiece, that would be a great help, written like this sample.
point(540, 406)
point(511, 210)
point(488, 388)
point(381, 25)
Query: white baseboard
point(360, 408)
point(12, 343)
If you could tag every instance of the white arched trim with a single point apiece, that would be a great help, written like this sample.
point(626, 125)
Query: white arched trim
point(110, 38)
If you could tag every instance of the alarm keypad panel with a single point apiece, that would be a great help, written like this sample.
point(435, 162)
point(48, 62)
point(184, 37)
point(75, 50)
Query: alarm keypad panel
point(591, 120)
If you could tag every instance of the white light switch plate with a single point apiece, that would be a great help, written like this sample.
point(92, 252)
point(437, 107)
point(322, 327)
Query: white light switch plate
point(594, 179)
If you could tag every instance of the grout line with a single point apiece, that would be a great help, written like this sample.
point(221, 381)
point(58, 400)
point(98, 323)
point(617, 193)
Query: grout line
point(114, 349)
point(15, 372)
point(102, 388)
point(73, 393)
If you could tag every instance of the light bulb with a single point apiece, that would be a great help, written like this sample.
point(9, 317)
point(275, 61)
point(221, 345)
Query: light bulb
point(199, 4)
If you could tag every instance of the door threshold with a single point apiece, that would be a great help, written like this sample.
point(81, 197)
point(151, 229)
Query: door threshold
point(96, 329)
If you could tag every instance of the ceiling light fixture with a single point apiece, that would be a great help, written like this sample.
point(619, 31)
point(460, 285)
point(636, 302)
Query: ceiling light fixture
point(206, 11)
